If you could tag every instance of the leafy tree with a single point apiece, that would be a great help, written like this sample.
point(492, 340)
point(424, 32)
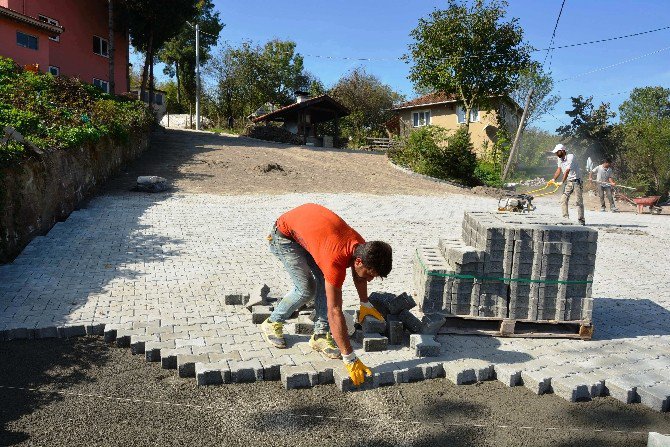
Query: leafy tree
point(647, 153)
point(469, 51)
point(590, 131)
point(532, 155)
point(646, 103)
point(248, 76)
point(151, 23)
point(542, 100)
point(178, 53)
point(369, 101)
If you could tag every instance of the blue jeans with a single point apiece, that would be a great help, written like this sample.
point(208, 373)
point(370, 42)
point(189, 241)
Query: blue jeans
point(307, 278)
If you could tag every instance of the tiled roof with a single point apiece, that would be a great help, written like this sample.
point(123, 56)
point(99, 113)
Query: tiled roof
point(430, 98)
point(300, 105)
point(6, 12)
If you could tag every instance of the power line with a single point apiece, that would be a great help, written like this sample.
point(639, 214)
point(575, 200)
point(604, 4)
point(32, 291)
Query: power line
point(613, 65)
point(604, 40)
point(553, 35)
point(393, 59)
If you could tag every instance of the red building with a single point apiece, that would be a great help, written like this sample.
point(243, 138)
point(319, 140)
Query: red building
point(64, 37)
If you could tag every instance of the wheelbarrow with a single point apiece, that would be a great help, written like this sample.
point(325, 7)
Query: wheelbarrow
point(641, 202)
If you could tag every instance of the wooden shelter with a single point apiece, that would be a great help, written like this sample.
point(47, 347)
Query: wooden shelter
point(302, 117)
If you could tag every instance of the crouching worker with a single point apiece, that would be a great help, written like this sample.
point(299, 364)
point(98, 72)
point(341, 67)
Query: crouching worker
point(316, 247)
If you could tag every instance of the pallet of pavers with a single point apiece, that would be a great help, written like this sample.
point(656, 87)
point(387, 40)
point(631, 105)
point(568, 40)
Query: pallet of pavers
point(512, 275)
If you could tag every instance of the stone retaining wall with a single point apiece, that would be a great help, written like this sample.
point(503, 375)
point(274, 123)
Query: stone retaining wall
point(43, 190)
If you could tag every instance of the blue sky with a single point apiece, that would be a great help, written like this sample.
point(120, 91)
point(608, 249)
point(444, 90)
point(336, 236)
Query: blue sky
point(380, 29)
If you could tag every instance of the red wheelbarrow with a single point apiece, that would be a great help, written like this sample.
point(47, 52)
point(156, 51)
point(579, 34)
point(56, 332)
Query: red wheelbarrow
point(641, 202)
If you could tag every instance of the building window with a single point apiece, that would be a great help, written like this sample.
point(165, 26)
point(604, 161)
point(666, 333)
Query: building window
point(421, 118)
point(27, 41)
point(102, 85)
point(158, 99)
point(54, 70)
point(460, 114)
point(50, 21)
point(100, 46)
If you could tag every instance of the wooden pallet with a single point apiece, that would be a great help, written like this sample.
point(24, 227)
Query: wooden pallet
point(505, 327)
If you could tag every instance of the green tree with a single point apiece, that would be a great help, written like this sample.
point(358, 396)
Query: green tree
point(468, 51)
point(542, 84)
point(590, 131)
point(645, 103)
point(178, 53)
point(644, 133)
point(369, 101)
point(646, 154)
point(248, 76)
point(151, 23)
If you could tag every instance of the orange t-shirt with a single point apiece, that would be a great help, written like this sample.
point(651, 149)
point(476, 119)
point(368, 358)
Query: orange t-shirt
point(325, 236)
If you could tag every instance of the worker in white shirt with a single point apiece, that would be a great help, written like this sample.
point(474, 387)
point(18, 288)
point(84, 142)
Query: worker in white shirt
point(572, 181)
point(604, 183)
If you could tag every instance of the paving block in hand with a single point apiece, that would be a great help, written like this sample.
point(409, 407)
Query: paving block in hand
point(375, 343)
point(380, 301)
point(343, 382)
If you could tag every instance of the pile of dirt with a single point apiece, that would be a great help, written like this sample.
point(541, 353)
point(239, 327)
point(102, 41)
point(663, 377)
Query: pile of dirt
point(269, 167)
point(272, 133)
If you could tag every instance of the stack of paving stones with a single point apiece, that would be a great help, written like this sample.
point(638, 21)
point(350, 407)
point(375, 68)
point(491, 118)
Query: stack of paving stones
point(507, 265)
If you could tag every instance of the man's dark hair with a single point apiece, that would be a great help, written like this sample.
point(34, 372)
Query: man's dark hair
point(607, 160)
point(376, 255)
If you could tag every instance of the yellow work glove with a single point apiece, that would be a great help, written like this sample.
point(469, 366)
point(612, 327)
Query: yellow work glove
point(357, 370)
point(368, 309)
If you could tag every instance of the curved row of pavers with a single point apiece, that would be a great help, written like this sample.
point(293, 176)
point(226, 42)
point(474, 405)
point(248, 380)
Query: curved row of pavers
point(211, 368)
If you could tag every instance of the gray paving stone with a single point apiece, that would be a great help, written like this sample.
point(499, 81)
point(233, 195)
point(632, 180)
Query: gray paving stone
point(71, 331)
point(656, 397)
point(343, 382)
point(658, 440)
point(245, 371)
point(186, 363)
point(302, 376)
point(373, 326)
point(374, 343)
point(623, 389)
point(459, 373)
point(571, 388)
point(212, 373)
point(538, 381)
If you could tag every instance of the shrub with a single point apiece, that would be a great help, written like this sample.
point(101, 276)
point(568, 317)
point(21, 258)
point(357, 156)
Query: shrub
point(60, 112)
point(488, 174)
point(431, 151)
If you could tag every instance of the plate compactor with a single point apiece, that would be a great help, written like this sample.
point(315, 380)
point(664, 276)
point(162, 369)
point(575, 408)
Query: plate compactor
point(518, 203)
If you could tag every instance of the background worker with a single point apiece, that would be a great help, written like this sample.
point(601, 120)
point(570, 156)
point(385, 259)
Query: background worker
point(605, 183)
point(572, 181)
point(316, 247)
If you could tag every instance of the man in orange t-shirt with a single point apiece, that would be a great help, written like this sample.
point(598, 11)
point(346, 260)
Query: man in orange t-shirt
point(316, 247)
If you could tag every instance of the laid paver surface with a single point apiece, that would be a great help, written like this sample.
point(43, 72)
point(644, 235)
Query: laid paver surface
point(157, 268)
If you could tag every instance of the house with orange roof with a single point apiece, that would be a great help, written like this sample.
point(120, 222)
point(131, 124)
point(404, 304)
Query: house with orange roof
point(447, 111)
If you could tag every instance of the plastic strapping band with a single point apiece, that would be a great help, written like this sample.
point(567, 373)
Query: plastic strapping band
point(491, 278)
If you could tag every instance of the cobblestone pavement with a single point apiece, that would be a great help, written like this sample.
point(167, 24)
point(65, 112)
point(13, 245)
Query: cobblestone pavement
point(151, 272)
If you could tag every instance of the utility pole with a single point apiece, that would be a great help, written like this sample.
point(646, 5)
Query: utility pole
point(515, 144)
point(197, 76)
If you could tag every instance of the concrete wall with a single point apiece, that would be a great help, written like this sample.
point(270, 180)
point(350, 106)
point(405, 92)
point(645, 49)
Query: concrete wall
point(41, 191)
point(73, 54)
